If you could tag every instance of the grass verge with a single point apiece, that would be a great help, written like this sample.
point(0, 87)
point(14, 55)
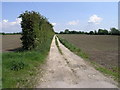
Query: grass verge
point(73, 48)
point(19, 69)
point(58, 45)
point(114, 74)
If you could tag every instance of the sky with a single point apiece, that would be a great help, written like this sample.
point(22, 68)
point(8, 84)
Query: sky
point(79, 16)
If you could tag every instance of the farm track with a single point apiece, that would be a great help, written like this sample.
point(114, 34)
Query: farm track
point(68, 70)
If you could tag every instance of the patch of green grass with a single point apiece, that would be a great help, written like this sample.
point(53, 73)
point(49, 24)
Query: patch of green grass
point(19, 67)
point(58, 45)
point(73, 48)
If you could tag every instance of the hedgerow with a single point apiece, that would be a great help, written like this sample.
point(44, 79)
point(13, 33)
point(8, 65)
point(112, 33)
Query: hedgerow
point(36, 30)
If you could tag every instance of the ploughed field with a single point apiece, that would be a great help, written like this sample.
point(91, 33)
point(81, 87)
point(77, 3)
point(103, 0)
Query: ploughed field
point(11, 42)
point(102, 49)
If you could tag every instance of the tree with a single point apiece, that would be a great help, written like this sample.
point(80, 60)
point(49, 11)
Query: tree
point(105, 32)
point(102, 32)
point(82, 32)
point(95, 32)
point(114, 31)
point(91, 32)
point(3, 33)
point(79, 32)
point(66, 31)
point(36, 30)
point(61, 32)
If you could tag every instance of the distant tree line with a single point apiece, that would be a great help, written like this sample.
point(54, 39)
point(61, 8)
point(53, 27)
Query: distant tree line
point(113, 31)
point(10, 33)
point(37, 31)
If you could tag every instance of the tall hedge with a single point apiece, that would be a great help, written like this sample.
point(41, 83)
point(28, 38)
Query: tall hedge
point(36, 30)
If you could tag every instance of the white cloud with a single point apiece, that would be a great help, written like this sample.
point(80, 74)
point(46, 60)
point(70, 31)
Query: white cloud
point(5, 20)
point(11, 26)
point(17, 21)
point(53, 24)
point(75, 22)
point(95, 19)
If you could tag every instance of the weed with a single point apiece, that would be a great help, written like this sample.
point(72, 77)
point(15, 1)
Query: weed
point(58, 45)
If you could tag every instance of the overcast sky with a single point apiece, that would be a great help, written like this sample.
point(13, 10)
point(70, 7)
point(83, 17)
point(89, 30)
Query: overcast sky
point(83, 16)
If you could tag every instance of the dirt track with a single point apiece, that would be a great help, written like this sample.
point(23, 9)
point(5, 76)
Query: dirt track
point(71, 71)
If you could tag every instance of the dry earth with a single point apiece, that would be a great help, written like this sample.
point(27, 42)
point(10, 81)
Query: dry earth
point(68, 70)
point(10, 43)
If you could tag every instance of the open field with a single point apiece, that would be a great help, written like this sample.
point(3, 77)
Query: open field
point(102, 49)
point(11, 42)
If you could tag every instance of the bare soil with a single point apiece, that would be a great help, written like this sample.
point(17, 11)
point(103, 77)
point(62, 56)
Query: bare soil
point(11, 43)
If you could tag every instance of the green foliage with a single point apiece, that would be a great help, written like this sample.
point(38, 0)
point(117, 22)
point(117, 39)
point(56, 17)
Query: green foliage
point(19, 68)
point(73, 48)
point(67, 31)
point(113, 31)
point(10, 33)
point(72, 32)
point(102, 32)
point(17, 65)
point(91, 32)
point(2, 33)
point(95, 32)
point(35, 29)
